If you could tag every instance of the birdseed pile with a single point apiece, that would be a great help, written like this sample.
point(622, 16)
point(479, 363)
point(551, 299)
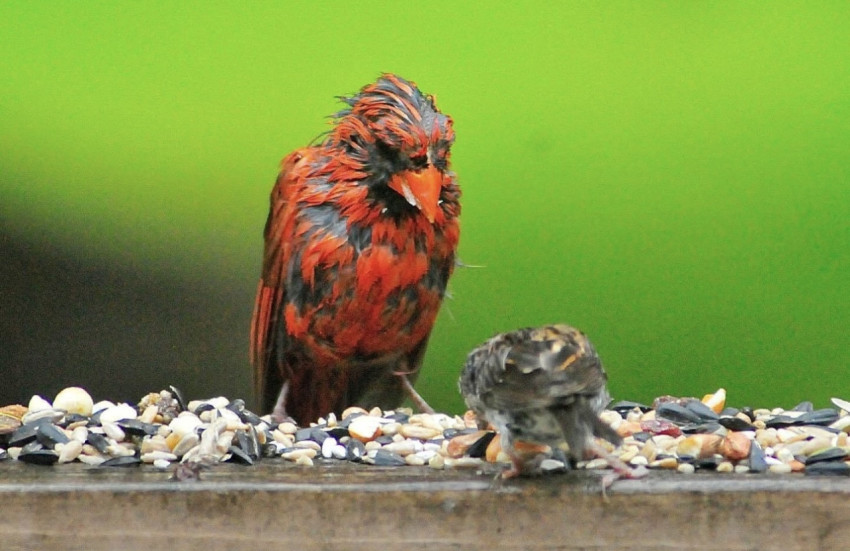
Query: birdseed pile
point(683, 434)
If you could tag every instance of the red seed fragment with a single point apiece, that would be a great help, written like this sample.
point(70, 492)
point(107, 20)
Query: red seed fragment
point(660, 426)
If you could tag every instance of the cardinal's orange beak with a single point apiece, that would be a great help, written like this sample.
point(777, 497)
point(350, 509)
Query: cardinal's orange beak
point(420, 188)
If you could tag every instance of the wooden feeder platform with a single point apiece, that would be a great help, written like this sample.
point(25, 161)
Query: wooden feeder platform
point(279, 505)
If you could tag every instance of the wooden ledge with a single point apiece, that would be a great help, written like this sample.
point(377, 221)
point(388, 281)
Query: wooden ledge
point(278, 505)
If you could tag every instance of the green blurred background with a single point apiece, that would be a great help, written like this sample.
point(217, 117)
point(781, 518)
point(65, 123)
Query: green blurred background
point(672, 178)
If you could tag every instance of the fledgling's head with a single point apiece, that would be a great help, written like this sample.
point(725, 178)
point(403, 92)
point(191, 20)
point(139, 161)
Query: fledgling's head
point(401, 139)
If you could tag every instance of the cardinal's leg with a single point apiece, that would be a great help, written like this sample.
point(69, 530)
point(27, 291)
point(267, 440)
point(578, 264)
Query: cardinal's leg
point(279, 414)
point(414, 396)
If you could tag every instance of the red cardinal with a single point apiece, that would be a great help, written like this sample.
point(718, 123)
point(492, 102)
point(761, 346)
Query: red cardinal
point(359, 245)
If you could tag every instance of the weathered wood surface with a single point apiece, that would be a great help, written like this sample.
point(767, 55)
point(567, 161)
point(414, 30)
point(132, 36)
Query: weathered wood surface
point(279, 505)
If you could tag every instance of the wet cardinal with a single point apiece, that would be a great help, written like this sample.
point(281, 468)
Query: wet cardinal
point(359, 245)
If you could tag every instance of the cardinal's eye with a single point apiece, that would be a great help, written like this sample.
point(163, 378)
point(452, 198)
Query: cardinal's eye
point(419, 161)
point(386, 150)
point(388, 157)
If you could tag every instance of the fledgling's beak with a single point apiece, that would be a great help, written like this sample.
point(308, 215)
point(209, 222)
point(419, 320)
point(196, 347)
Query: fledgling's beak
point(420, 188)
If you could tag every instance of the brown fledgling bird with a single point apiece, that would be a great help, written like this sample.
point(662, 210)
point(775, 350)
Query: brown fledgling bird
point(359, 245)
point(541, 386)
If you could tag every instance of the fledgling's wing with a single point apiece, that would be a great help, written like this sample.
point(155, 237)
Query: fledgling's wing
point(533, 368)
point(555, 364)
